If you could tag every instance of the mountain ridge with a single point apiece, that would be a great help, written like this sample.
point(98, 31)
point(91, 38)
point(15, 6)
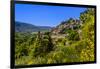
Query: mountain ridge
point(25, 27)
point(70, 24)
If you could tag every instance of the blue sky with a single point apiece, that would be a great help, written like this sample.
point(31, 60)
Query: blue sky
point(41, 15)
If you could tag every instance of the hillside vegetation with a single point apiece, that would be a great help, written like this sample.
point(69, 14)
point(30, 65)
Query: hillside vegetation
point(25, 27)
point(71, 41)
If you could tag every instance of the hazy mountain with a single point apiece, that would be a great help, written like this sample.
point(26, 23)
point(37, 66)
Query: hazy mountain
point(25, 27)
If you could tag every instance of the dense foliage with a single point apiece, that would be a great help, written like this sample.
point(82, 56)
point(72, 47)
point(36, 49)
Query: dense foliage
point(44, 48)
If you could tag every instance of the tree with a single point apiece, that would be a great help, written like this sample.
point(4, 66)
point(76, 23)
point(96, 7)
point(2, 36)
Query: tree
point(42, 45)
point(73, 35)
point(70, 20)
point(87, 54)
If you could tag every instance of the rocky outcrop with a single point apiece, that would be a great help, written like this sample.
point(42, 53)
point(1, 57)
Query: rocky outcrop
point(69, 24)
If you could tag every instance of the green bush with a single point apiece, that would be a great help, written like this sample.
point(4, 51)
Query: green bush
point(73, 35)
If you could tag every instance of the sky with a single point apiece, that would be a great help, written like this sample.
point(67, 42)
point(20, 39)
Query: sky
point(45, 15)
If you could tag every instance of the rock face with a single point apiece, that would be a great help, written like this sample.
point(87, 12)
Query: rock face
point(69, 24)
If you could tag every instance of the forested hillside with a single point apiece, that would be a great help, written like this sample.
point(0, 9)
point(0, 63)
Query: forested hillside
point(25, 27)
point(71, 41)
